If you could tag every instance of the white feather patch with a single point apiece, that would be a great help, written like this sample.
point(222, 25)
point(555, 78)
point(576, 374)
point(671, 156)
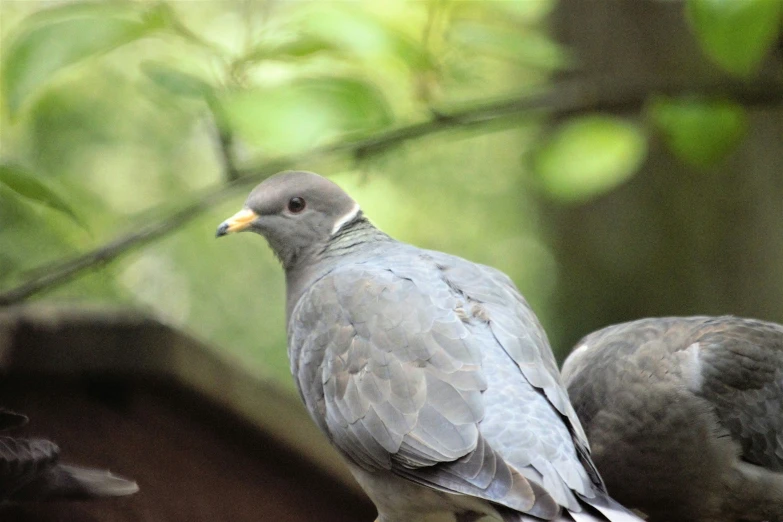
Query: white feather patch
point(346, 218)
point(583, 517)
point(612, 510)
point(691, 369)
point(616, 515)
point(580, 349)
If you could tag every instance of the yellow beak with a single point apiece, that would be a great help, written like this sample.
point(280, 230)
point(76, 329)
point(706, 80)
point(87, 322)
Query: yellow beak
point(236, 223)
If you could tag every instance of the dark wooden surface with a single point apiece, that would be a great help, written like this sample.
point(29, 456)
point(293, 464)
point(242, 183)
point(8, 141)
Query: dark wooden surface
point(193, 461)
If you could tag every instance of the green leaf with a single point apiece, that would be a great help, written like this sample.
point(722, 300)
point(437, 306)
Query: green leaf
point(527, 47)
point(700, 132)
point(30, 186)
point(360, 34)
point(64, 36)
point(306, 112)
point(736, 34)
point(176, 81)
point(304, 46)
point(88, 9)
point(588, 157)
point(28, 238)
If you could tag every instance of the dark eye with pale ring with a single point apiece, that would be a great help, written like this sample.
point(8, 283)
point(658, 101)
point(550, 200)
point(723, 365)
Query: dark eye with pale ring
point(296, 205)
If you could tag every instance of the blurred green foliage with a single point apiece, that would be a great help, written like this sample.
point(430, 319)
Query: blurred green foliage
point(736, 34)
point(27, 185)
point(108, 113)
point(590, 156)
point(699, 131)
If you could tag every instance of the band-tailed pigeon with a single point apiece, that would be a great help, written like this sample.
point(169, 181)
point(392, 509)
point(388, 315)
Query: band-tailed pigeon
point(30, 471)
point(430, 374)
point(685, 415)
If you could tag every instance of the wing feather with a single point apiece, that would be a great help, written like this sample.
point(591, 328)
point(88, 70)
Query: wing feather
point(516, 329)
point(21, 460)
point(742, 376)
point(394, 378)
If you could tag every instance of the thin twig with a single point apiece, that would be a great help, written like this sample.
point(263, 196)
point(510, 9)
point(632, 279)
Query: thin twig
point(561, 101)
point(225, 139)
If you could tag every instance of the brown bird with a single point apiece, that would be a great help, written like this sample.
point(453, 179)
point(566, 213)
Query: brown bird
point(30, 471)
point(685, 415)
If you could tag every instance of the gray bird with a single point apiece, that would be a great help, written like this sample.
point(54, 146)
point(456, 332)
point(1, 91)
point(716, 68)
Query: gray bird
point(430, 374)
point(685, 415)
point(30, 471)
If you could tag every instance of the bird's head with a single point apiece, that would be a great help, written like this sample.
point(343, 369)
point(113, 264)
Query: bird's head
point(297, 213)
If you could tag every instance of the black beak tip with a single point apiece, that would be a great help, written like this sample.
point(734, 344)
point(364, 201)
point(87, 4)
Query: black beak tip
point(222, 230)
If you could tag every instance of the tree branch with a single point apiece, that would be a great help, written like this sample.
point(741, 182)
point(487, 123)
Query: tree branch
point(563, 100)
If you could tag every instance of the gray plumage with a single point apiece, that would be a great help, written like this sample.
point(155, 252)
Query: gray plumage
point(30, 471)
point(685, 415)
point(429, 373)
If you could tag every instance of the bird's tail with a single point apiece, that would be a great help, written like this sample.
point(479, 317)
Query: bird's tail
point(600, 508)
point(75, 483)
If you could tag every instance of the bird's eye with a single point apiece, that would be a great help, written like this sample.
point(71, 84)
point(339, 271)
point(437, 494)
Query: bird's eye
point(296, 205)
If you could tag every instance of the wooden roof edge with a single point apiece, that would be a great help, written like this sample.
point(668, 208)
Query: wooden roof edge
point(68, 339)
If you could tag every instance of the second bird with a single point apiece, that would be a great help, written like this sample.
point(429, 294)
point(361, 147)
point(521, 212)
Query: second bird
point(685, 415)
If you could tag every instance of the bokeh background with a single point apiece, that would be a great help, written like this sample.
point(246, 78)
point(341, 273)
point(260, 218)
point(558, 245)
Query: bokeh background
point(617, 158)
point(644, 178)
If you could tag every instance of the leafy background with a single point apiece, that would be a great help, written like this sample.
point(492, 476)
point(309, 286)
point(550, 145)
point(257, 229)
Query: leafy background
point(468, 127)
